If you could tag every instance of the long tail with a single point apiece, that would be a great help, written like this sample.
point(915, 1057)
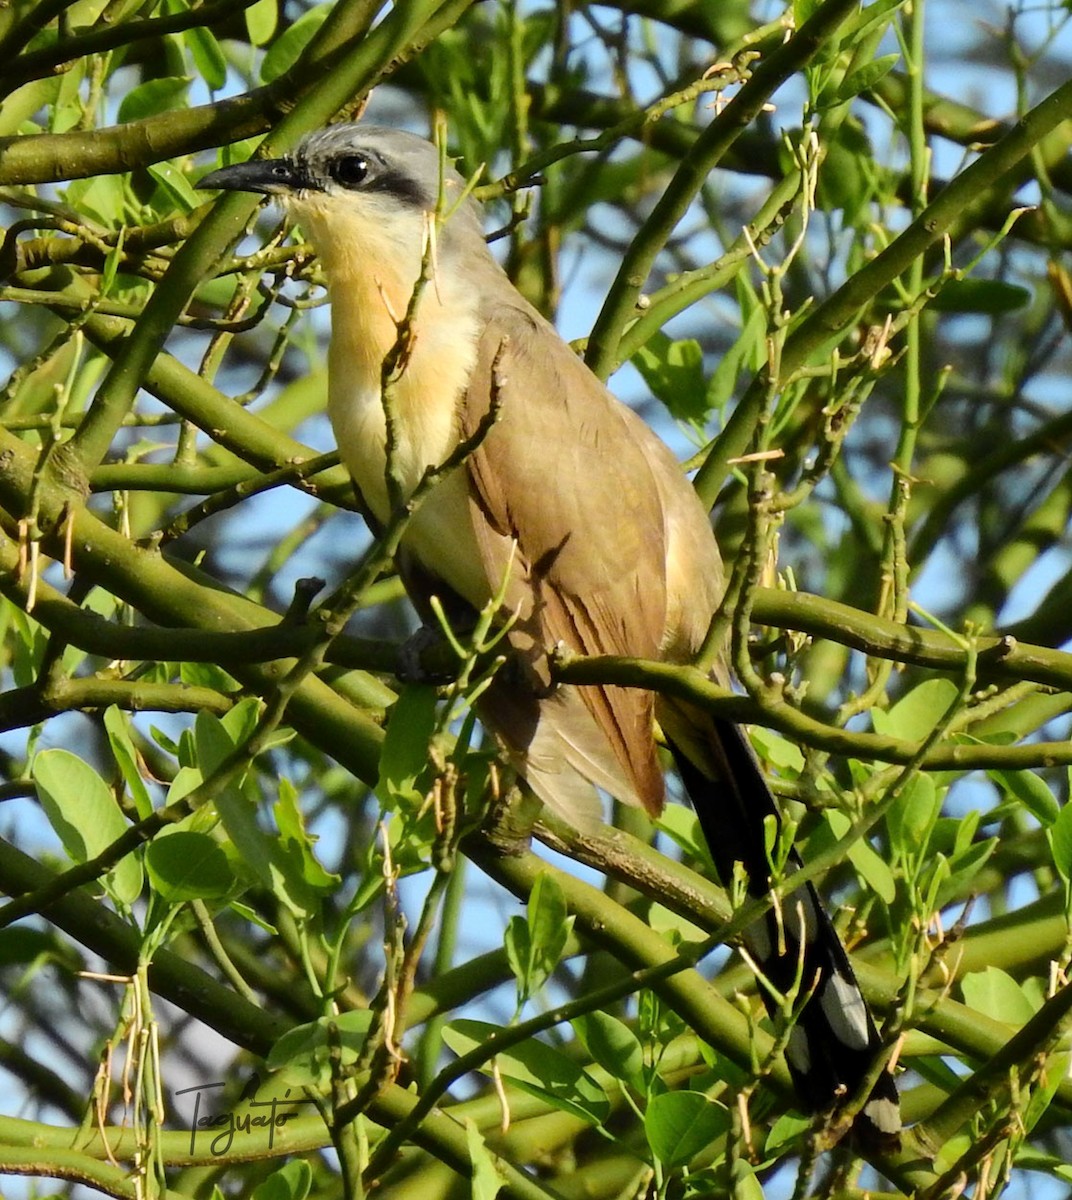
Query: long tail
point(834, 1043)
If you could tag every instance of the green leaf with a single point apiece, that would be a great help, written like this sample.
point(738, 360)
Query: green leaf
point(404, 757)
point(101, 197)
point(786, 1130)
point(175, 184)
point(164, 741)
point(782, 754)
point(674, 373)
point(656, 1019)
point(207, 56)
point(679, 823)
point(678, 1125)
point(284, 51)
point(534, 946)
point(282, 864)
point(210, 675)
point(188, 866)
point(989, 296)
point(865, 77)
point(963, 867)
point(86, 817)
point(998, 995)
point(297, 843)
point(745, 1184)
point(742, 355)
point(1060, 835)
point(952, 1151)
point(965, 831)
point(846, 177)
point(248, 914)
point(307, 1047)
point(28, 645)
point(871, 867)
point(517, 944)
point(68, 109)
point(673, 926)
point(876, 13)
point(538, 1069)
point(1032, 791)
point(112, 262)
point(126, 757)
point(917, 713)
point(613, 1045)
point(153, 97)
point(411, 834)
point(261, 20)
point(1054, 1074)
point(911, 819)
point(935, 874)
point(212, 743)
point(240, 722)
point(24, 103)
point(485, 1180)
point(183, 783)
point(290, 1182)
point(279, 859)
point(23, 946)
point(254, 844)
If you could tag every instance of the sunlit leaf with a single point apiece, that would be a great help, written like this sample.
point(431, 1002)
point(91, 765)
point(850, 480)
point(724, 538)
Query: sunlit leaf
point(188, 866)
point(991, 296)
point(84, 813)
point(866, 76)
point(115, 722)
point(153, 96)
point(486, 1182)
point(538, 1069)
point(291, 1182)
point(284, 51)
point(679, 1125)
point(917, 713)
point(261, 20)
point(674, 373)
point(404, 757)
point(996, 993)
point(613, 1045)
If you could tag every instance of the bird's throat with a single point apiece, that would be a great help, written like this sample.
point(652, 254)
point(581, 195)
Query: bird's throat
point(422, 396)
point(388, 371)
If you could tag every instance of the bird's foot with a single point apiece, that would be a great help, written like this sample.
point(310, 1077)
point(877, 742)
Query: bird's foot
point(509, 820)
point(422, 655)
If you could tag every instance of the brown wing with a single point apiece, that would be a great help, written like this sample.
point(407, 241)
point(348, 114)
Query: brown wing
point(565, 475)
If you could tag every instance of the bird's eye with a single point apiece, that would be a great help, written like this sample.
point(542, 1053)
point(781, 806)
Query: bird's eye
point(350, 170)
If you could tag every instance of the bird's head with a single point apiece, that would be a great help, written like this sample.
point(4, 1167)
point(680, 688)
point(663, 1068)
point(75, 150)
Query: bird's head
point(365, 196)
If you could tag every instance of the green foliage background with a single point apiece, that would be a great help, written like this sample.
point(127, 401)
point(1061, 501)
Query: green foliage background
point(238, 852)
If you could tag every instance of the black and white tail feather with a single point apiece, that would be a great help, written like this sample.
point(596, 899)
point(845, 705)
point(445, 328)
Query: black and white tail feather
point(833, 1045)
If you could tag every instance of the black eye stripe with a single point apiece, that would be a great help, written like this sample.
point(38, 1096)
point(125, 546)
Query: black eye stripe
point(402, 187)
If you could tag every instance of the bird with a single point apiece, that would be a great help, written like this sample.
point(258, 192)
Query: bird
point(571, 511)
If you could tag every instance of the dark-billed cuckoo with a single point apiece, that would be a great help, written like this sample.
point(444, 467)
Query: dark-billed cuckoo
point(574, 502)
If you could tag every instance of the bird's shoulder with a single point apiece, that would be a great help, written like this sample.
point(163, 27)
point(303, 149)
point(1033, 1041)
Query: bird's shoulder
point(559, 436)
